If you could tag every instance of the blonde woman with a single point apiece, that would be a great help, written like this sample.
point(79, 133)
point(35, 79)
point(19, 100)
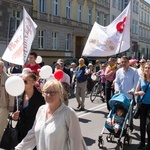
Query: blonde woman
point(143, 90)
point(56, 126)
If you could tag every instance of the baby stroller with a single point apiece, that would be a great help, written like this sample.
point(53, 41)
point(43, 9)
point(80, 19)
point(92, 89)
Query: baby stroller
point(118, 100)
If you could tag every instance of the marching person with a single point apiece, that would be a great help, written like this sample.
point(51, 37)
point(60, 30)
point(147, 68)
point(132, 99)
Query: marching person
point(110, 74)
point(143, 89)
point(65, 80)
point(126, 81)
point(6, 101)
point(80, 79)
point(32, 63)
point(56, 126)
point(29, 102)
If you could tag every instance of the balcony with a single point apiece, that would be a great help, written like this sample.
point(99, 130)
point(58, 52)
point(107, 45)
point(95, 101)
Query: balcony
point(60, 20)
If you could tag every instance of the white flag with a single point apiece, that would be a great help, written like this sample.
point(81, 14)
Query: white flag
point(109, 40)
point(20, 45)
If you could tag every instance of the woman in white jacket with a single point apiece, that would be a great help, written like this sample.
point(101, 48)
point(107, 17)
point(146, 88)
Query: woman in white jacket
point(56, 126)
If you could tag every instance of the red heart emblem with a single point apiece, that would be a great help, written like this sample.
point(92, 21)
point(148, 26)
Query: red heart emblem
point(120, 25)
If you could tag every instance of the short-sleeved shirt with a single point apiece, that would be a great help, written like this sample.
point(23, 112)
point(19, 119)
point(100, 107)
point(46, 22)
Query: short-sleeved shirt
point(34, 68)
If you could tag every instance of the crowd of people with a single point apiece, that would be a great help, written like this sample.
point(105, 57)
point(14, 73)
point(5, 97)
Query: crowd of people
point(44, 112)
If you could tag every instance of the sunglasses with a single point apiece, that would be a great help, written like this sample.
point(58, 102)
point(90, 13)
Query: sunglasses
point(51, 93)
point(27, 81)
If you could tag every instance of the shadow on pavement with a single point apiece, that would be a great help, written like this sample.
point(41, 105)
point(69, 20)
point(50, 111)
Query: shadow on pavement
point(89, 141)
point(98, 112)
point(84, 120)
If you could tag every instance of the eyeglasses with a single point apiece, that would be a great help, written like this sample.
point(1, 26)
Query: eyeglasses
point(51, 93)
point(27, 81)
point(142, 62)
point(147, 67)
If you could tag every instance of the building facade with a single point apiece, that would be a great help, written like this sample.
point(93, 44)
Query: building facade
point(64, 25)
point(140, 26)
point(10, 18)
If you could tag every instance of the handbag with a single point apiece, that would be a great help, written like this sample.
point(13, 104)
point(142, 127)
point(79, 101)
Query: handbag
point(137, 110)
point(10, 137)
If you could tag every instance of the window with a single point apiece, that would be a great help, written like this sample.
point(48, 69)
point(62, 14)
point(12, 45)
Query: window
point(148, 19)
point(113, 17)
point(68, 9)
point(135, 26)
point(54, 40)
point(142, 16)
point(98, 17)
point(68, 42)
point(125, 3)
point(145, 17)
point(55, 7)
point(114, 3)
point(89, 16)
point(41, 39)
point(137, 7)
point(79, 15)
point(42, 6)
point(120, 5)
point(17, 16)
point(105, 20)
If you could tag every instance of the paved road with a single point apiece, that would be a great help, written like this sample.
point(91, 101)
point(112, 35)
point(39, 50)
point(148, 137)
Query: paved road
point(92, 122)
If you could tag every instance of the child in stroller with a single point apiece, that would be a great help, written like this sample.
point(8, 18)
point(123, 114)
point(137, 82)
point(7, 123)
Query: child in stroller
point(117, 119)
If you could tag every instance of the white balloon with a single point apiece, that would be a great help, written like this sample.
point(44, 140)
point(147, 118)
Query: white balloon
point(93, 77)
point(45, 72)
point(14, 85)
point(38, 59)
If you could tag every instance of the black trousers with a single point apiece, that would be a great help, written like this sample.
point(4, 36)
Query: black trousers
point(143, 126)
point(109, 91)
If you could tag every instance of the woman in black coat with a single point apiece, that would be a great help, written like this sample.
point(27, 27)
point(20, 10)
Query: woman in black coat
point(29, 103)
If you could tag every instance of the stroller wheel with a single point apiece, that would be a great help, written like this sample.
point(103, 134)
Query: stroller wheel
point(120, 146)
point(127, 140)
point(109, 138)
point(100, 142)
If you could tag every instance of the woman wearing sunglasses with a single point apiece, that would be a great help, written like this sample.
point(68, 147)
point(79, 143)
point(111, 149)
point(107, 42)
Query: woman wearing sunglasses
point(56, 126)
point(29, 102)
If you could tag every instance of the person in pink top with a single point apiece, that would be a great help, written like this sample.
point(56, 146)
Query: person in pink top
point(102, 76)
point(110, 74)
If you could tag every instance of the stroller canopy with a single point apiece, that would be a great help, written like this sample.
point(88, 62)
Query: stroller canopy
point(119, 99)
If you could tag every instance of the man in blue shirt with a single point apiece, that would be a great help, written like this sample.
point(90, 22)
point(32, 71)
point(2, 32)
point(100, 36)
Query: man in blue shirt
point(80, 79)
point(126, 81)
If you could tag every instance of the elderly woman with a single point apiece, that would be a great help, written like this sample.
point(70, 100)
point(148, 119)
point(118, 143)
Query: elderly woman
point(56, 126)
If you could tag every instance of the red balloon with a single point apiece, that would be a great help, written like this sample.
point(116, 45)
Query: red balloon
point(58, 74)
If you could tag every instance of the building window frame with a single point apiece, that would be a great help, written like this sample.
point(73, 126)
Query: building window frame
point(41, 35)
point(55, 7)
point(89, 16)
point(68, 42)
point(54, 40)
point(114, 3)
point(68, 9)
point(79, 13)
point(42, 6)
point(17, 15)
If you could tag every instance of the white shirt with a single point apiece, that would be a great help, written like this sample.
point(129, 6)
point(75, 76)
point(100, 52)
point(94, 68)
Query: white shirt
point(53, 133)
point(65, 78)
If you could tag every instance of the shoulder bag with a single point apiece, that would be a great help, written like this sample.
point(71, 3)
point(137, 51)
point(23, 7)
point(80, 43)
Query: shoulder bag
point(10, 137)
point(137, 110)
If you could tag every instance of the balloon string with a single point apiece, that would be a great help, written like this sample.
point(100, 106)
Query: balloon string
point(17, 102)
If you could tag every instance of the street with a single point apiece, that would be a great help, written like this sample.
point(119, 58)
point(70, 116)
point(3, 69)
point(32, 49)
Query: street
point(92, 122)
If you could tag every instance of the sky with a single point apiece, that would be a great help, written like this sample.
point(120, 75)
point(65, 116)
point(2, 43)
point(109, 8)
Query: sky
point(148, 1)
